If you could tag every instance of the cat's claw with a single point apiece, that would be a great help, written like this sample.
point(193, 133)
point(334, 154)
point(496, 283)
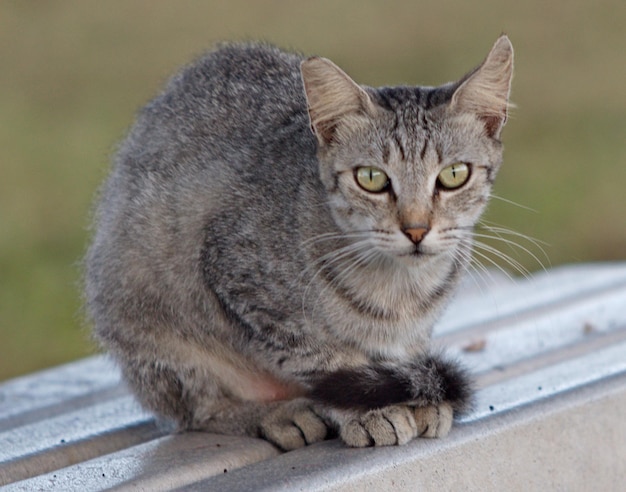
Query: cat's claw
point(293, 425)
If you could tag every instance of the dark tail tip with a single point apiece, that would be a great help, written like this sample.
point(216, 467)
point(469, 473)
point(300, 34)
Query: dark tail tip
point(457, 386)
point(428, 380)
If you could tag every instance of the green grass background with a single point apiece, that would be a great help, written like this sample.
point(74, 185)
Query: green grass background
point(72, 74)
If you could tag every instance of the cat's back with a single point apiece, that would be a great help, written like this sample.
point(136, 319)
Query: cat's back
point(193, 152)
point(231, 99)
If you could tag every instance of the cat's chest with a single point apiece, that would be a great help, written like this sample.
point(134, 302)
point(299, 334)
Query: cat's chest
point(387, 314)
point(391, 294)
point(309, 306)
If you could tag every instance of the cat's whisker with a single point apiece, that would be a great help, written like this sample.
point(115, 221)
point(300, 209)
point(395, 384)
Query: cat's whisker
point(479, 277)
point(513, 245)
point(344, 274)
point(493, 226)
point(497, 236)
point(511, 202)
point(361, 257)
point(338, 255)
point(467, 236)
point(328, 260)
point(335, 254)
point(499, 231)
point(329, 236)
point(494, 263)
point(480, 270)
point(516, 265)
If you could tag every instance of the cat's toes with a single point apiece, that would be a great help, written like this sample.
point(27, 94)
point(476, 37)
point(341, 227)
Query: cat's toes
point(434, 420)
point(381, 427)
point(293, 425)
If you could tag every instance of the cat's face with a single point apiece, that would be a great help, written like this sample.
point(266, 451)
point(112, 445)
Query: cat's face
point(412, 191)
point(408, 171)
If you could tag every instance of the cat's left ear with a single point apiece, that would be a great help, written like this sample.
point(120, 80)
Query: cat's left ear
point(485, 91)
point(336, 103)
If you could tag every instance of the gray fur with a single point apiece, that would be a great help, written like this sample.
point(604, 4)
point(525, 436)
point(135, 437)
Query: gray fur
point(235, 259)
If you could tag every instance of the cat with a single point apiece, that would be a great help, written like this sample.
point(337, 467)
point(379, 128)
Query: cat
point(275, 242)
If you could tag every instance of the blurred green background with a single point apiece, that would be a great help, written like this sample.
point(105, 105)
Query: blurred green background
point(72, 74)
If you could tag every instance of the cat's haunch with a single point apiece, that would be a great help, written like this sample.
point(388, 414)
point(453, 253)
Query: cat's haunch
point(275, 242)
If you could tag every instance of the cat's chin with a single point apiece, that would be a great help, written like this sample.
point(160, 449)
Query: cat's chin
point(417, 256)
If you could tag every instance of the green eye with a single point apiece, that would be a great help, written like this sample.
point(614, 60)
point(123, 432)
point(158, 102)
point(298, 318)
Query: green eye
point(371, 179)
point(454, 176)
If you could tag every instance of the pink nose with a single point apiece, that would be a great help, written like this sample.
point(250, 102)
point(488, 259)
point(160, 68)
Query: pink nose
point(416, 234)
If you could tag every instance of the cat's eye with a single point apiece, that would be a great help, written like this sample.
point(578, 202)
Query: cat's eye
point(371, 179)
point(454, 176)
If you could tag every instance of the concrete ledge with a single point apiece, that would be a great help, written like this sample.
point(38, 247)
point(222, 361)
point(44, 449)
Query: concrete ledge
point(164, 463)
point(550, 359)
point(574, 442)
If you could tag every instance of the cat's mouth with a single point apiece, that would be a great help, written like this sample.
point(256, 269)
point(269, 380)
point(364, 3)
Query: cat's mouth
point(418, 251)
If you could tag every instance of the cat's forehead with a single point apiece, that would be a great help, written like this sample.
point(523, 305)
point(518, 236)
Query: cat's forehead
point(418, 126)
point(408, 102)
point(412, 111)
point(405, 122)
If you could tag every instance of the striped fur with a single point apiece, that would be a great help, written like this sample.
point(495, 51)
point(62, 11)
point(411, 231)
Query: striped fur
point(244, 279)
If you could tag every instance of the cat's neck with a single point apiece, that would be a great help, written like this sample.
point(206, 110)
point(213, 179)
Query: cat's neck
point(387, 306)
point(394, 284)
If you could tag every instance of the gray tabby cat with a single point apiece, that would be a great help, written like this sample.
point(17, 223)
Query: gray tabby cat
point(275, 243)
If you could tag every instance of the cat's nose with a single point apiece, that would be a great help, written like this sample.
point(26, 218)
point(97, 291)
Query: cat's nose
point(416, 234)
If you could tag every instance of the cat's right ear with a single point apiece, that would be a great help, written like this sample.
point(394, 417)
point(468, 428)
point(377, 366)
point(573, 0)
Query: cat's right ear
point(335, 102)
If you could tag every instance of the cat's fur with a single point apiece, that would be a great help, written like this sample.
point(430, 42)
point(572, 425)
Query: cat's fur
point(246, 284)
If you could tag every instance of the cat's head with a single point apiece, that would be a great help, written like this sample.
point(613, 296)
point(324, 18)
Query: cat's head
point(409, 170)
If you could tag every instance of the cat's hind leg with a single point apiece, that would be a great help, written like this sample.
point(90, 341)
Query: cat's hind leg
point(195, 401)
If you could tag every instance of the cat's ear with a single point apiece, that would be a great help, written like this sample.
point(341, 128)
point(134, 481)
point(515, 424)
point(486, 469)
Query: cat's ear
point(334, 100)
point(485, 91)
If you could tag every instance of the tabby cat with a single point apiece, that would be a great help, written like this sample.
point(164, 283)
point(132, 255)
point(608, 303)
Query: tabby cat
point(275, 243)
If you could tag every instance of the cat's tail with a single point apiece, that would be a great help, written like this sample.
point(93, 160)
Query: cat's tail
point(428, 380)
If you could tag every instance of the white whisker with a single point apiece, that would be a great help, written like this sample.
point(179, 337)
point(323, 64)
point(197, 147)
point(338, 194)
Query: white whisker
point(353, 263)
point(492, 226)
point(343, 259)
point(494, 263)
point(512, 245)
point(327, 260)
point(499, 231)
point(511, 202)
point(480, 272)
point(516, 265)
point(329, 236)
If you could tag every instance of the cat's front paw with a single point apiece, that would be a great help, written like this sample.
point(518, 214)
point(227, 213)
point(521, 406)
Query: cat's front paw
point(386, 426)
point(293, 425)
point(397, 424)
point(433, 420)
